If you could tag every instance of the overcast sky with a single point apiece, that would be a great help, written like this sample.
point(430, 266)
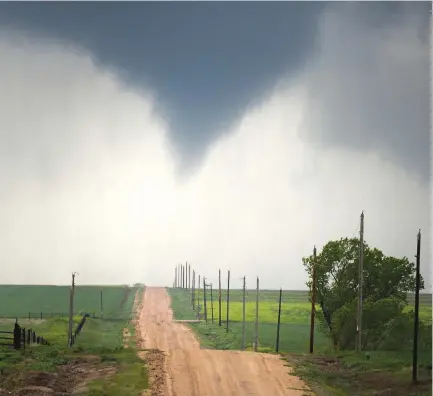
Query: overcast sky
point(232, 135)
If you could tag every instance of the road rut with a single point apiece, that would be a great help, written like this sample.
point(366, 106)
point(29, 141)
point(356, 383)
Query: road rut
point(192, 371)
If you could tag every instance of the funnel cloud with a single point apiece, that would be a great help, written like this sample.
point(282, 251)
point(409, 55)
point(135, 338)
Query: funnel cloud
point(89, 173)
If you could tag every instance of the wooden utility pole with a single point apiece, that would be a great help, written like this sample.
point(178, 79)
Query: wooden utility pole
point(416, 319)
point(211, 300)
point(228, 301)
point(361, 281)
point(256, 327)
point(243, 316)
point(198, 297)
point(189, 276)
point(102, 306)
point(313, 301)
point(277, 346)
point(71, 309)
point(204, 299)
point(193, 290)
point(219, 297)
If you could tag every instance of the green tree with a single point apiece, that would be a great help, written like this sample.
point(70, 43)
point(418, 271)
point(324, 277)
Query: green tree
point(387, 280)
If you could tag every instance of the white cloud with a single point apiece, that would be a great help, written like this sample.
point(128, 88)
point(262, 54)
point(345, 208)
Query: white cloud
point(88, 182)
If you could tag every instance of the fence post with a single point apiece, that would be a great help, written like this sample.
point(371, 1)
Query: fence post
point(17, 336)
point(33, 337)
point(29, 332)
point(23, 337)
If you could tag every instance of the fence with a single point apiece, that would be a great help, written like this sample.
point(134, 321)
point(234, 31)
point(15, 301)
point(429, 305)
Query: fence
point(19, 337)
point(49, 315)
point(43, 315)
point(79, 327)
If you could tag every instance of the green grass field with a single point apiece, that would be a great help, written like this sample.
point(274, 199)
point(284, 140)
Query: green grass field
point(100, 339)
point(19, 300)
point(295, 316)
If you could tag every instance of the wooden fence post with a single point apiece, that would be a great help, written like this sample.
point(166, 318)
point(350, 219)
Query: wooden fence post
point(17, 336)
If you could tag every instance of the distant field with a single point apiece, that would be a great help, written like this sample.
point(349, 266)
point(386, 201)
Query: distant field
point(295, 307)
point(19, 300)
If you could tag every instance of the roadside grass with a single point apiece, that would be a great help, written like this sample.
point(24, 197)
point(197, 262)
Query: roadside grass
point(361, 374)
point(99, 338)
point(294, 330)
point(181, 304)
point(329, 372)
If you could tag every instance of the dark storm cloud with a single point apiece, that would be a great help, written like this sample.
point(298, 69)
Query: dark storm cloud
point(373, 84)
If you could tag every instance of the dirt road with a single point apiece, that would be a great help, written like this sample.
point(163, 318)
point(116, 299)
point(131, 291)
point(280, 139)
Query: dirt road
point(191, 371)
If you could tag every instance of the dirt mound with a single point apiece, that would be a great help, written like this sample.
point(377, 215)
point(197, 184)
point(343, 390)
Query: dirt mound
point(69, 379)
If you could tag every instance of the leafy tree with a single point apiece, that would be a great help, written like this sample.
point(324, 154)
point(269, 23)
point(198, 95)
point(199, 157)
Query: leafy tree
point(387, 280)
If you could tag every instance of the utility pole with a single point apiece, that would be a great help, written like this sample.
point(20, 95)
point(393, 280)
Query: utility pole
point(71, 309)
point(243, 316)
point(175, 276)
point(204, 299)
point(102, 306)
point(211, 301)
point(219, 298)
point(313, 301)
point(189, 276)
point(277, 346)
point(228, 300)
point(416, 319)
point(193, 290)
point(256, 329)
point(361, 281)
point(198, 297)
point(178, 276)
